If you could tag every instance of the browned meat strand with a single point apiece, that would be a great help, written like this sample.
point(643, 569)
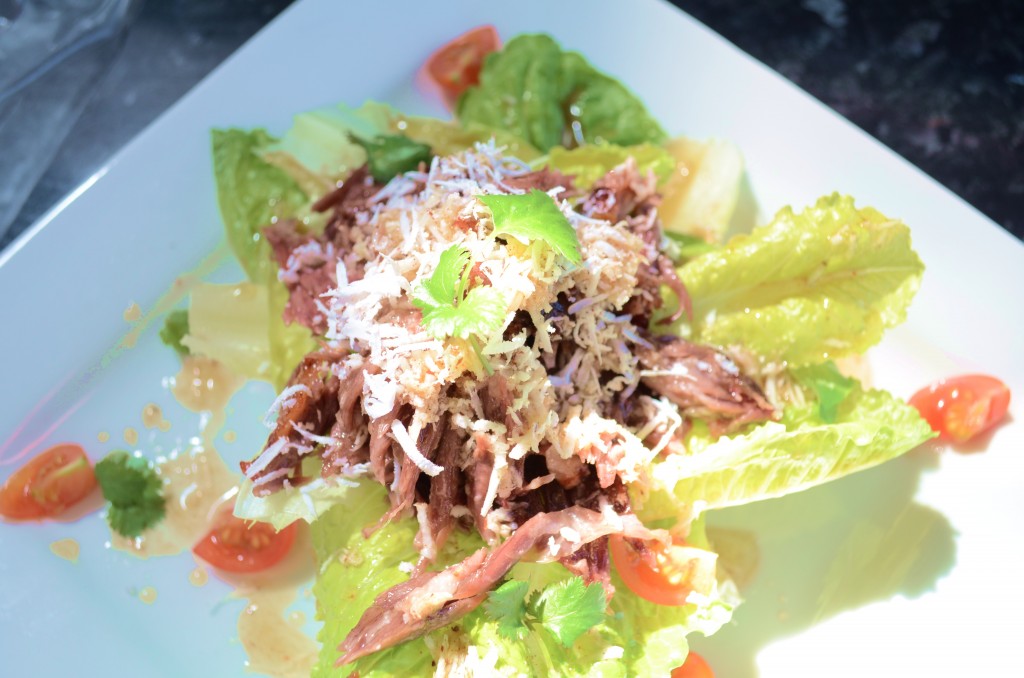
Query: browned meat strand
point(446, 487)
point(349, 429)
point(592, 563)
point(625, 195)
point(542, 180)
point(478, 475)
point(702, 381)
point(433, 599)
point(307, 270)
point(314, 411)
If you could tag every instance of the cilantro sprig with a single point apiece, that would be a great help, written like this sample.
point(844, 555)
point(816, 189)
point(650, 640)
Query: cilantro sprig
point(134, 491)
point(566, 609)
point(451, 309)
point(174, 330)
point(534, 216)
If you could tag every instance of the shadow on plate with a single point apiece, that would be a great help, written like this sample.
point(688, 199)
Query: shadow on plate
point(826, 551)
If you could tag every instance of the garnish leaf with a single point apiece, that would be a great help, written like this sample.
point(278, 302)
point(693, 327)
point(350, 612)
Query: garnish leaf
point(174, 330)
point(534, 216)
point(448, 310)
point(811, 286)
point(507, 606)
point(388, 155)
point(134, 491)
point(569, 608)
point(829, 385)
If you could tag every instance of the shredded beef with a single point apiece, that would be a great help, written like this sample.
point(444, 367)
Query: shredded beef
point(446, 487)
point(433, 599)
point(307, 268)
point(312, 408)
point(543, 179)
point(348, 433)
point(702, 381)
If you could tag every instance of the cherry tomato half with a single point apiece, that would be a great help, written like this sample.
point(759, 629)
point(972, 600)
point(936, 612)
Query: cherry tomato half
point(456, 66)
point(48, 484)
point(236, 545)
point(960, 408)
point(693, 667)
point(679, 571)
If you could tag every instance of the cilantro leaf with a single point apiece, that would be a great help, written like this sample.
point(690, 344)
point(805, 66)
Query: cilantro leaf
point(133, 490)
point(174, 330)
point(566, 609)
point(448, 310)
point(534, 216)
point(829, 385)
point(569, 608)
point(507, 606)
point(388, 155)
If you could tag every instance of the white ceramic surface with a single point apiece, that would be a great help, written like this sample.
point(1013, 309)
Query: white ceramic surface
point(911, 569)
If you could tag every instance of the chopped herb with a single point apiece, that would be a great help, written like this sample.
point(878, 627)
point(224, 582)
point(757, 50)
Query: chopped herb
point(134, 491)
point(534, 216)
point(449, 310)
point(829, 385)
point(393, 154)
point(174, 330)
point(566, 609)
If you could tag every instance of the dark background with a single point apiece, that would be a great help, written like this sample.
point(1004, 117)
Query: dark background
point(941, 82)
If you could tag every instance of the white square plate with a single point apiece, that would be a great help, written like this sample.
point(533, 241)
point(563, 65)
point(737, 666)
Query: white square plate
point(912, 568)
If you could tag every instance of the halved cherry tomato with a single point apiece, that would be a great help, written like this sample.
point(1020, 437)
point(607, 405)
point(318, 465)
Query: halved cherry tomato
point(48, 484)
point(678, 571)
point(693, 667)
point(960, 408)
point(456, 66)
point(236, 545)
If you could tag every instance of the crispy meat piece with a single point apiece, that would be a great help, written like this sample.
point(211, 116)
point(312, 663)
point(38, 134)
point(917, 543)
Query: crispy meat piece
point(313, 407)
point(349, 431)
point(592, 562)
point(702, 381)
point(446, 487)
point(542, 180)
point(433, 599)
point(308, 268)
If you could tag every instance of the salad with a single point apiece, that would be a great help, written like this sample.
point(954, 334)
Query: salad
point(518, 362)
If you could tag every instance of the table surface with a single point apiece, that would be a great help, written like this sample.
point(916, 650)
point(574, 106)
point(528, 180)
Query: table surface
point(940, 82)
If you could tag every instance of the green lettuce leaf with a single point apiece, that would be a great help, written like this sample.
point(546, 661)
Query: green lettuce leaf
point(587, 164)
point(548, 97)
point(251, 193)
point(284, 507)
point(240, 326)
point(830, 387)
point(353, 570)
point(808, 287)
point(390, 154)
point(776, 458)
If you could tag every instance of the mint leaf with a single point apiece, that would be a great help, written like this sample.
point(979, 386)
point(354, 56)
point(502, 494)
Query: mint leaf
point(534, 216)
point(829, 385)
point(174, 330)
point(507, 606)
point(134, 491)
point(388, 155)
point(448, 310)
point(569, 608)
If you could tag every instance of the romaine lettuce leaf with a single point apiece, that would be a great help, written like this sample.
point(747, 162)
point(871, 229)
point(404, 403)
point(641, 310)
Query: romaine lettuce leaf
point(701, 198)
point(284, 507)
point(776, 458)
point(353, 570)
point(251, 193)
point(587, 164)
point(539, 93)
point(808, 287)
point(240, 326)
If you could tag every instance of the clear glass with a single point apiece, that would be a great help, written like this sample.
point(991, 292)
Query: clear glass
point(52, 52)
